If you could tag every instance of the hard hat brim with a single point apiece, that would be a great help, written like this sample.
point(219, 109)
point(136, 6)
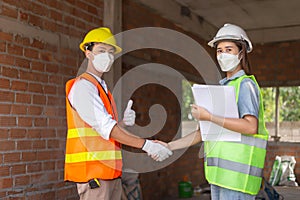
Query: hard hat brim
point(217, 39)
point(117, 48)
point(213, 42)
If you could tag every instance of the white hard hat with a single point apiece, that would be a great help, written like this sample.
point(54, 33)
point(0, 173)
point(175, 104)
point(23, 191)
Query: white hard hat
point(231, 32)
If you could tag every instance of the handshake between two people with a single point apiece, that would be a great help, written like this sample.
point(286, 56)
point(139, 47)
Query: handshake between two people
point(158, 150)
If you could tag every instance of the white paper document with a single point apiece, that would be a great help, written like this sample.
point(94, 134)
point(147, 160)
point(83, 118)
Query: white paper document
point(220, 101)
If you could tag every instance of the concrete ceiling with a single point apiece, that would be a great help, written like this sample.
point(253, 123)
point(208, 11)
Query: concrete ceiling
point(264, 20)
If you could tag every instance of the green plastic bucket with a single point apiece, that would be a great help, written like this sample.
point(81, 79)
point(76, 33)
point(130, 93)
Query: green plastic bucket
point(185, 189)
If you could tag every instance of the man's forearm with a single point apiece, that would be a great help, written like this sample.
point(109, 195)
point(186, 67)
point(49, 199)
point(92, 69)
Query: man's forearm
point(124, 137)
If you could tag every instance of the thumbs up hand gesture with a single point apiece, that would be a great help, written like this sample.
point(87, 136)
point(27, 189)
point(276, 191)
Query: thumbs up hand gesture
point(129, 115)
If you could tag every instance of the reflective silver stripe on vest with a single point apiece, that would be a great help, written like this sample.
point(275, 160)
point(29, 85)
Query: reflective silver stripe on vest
point(253, 141)
point(235, 166)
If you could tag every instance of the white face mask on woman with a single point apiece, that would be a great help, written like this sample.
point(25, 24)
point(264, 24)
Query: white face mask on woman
point(228, 62)
point(103, 61)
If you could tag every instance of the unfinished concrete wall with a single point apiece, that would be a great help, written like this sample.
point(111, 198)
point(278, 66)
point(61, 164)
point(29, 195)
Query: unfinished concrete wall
point(39, 51)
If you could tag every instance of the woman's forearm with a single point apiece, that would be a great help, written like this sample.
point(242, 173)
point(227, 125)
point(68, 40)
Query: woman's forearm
point(246, 125)
point(186, 141)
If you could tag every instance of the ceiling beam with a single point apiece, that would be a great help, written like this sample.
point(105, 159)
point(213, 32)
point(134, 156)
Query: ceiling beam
point(174, 12)
point(278, 34)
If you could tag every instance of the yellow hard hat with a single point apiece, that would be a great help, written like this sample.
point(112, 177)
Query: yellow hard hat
point(102, 35)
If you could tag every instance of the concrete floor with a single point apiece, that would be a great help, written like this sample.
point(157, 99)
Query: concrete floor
point(202, 197)
point(289, 193)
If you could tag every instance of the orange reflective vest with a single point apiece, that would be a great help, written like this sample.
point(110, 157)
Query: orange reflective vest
point(88, 155)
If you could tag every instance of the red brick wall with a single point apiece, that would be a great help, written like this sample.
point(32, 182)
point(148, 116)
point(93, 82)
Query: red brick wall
point(137, 16)
point(276, 64)
point(161, 183)
point(34, 69)
point(280, 149)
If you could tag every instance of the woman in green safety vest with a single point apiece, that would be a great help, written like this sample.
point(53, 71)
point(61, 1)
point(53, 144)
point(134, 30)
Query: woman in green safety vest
point(234, 169)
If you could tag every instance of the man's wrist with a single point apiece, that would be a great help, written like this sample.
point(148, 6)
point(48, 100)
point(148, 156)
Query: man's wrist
point(121, 123)
point(144, 143)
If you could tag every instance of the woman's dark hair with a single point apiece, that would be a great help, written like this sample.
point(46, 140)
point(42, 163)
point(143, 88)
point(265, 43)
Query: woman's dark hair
point(245, 60)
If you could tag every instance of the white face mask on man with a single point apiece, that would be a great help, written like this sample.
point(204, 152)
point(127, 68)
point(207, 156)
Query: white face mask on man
point(103, 62)
point(228, 62)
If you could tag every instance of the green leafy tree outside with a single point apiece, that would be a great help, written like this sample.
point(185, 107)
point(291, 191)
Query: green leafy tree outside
point(188, 99)
point(269, 103)
point(289, 101)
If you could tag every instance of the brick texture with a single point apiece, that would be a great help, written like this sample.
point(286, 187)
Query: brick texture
point(32, 107)
point(276, 64)
point(161, 183)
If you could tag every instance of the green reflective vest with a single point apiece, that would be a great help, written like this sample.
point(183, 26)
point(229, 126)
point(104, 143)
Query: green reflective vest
point(238, 165)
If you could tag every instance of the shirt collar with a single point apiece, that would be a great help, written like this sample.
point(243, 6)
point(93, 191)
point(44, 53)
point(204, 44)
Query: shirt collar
point(240, 73)
point(100, 80)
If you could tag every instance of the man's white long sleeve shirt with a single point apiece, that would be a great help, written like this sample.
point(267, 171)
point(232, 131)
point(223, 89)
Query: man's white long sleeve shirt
point(84, 97)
